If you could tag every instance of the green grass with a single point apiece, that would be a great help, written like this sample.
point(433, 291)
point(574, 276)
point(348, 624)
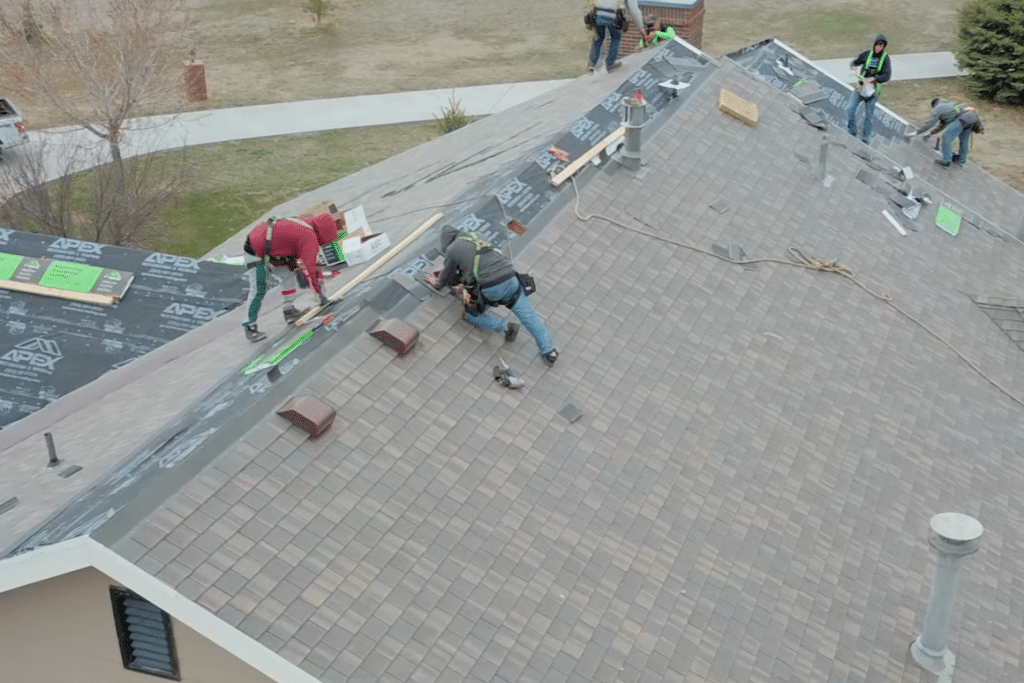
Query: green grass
point(236, 182)
point(830, 27)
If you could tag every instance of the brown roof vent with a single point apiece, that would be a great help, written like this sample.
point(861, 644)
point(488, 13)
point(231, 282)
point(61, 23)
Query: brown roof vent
point(396, 334)
point(309, 413)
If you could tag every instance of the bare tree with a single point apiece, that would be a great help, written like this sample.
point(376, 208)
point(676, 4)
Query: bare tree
point(98, 63)
point(28, 200)
point(100, 204)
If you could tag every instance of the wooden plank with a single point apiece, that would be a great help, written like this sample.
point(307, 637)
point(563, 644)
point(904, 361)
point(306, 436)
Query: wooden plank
point(101, 299)
point(737, 107)
point(576, 165)
point(372, 268)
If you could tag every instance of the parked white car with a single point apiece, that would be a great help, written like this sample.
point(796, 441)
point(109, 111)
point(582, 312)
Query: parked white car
point(12, 126)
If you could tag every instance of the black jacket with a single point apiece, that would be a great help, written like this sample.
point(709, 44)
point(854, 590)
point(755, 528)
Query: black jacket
point(883, 72)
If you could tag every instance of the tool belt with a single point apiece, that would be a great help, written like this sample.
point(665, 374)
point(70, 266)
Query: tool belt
point(478, 303)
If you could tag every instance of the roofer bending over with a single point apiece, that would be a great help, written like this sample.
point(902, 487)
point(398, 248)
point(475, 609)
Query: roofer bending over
point(292, 243)
point(962, 127)
point(943, 113)
point(491, 280)
point(952, 120)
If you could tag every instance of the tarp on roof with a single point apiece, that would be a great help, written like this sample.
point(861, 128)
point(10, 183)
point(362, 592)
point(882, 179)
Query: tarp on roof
point(51, 346)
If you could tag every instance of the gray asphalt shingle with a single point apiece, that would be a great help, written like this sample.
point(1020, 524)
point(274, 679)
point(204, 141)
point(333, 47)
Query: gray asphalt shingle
point(746, 495)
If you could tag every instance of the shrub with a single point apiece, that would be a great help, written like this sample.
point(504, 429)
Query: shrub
point(991, 48)
point(452, 117)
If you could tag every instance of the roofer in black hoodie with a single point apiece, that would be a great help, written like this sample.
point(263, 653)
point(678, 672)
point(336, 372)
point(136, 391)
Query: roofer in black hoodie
point(491, 280)
point(873, 68)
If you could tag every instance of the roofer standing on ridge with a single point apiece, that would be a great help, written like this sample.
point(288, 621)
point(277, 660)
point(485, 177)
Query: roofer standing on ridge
point(292, 243)
point(492, 281)
point(609, 16)
point(873, 68)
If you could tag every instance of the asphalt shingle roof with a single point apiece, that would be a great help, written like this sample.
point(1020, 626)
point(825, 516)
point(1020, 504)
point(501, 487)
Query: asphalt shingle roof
point(747, 494)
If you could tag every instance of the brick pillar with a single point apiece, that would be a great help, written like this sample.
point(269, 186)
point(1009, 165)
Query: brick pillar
point(685, 16)
point(195, 81)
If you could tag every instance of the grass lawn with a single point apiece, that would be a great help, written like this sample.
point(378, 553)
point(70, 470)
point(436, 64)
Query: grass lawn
point(235, 182)
point(467, 42)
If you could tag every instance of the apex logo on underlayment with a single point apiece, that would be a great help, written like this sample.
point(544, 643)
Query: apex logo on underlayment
point(38, 353)
point(181, 310)
point(68, 245)
point(182, 263)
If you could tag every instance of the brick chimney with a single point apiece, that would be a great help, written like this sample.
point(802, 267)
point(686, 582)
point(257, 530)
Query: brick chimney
point(685, 16)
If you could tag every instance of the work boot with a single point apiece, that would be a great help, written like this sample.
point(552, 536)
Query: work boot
point(291, 314)
point(614, 66)
point(253, 334)
point(550, 357)
point(511, 332)
point(590, 67)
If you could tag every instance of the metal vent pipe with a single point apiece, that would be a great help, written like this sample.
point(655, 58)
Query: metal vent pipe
point(634, 116)
point(954, 536)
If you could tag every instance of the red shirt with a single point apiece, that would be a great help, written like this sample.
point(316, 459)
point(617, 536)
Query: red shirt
point(289, 238)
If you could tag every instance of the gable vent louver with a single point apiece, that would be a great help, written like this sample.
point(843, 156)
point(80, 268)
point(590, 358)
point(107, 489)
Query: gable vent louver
point(144, 632)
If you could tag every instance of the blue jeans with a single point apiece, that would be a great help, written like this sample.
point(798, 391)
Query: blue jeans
point(503, 293)
point(601, 23)
point(954, 130)
point(869, 114)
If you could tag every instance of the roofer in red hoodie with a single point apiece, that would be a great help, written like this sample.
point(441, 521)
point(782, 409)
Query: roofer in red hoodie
point(292, 243)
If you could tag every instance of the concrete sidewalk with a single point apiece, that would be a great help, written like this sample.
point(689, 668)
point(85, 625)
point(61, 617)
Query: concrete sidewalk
point(160, 133)
point(912, 67)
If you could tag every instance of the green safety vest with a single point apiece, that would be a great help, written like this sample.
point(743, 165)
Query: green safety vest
point(864, 69)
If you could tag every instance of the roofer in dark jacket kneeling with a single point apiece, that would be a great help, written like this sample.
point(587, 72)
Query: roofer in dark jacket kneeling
point(292, 243)
point(491, 280)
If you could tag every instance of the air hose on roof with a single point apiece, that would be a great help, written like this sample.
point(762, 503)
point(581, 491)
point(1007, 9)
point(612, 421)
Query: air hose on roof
point(800, 260)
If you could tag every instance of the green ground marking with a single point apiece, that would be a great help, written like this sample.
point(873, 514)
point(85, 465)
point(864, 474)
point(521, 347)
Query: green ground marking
point(8, 264)
point(947, 219)
point(71, 277)
point(264, 363)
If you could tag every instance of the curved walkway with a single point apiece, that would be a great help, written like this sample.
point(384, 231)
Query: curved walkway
point(159, 133)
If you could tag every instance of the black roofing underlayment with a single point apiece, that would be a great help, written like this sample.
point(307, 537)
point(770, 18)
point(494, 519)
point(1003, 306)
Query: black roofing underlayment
point(51, 346)
point(522, 193)
point(786, 69)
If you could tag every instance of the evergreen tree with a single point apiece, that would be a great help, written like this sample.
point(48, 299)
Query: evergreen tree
point(991, 48)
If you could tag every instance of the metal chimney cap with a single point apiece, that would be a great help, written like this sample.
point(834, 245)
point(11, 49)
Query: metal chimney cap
point(955, 533)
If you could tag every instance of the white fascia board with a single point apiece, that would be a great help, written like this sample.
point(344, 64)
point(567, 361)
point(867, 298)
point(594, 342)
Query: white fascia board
point(80, 553)
point(44, 563)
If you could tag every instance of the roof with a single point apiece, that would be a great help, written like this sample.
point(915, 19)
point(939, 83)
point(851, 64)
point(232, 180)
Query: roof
point(116, 305)
point(746, 493)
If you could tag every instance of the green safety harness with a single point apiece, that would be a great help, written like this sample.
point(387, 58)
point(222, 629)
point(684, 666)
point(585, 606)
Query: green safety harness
point(878, 67)
point(482, 247)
